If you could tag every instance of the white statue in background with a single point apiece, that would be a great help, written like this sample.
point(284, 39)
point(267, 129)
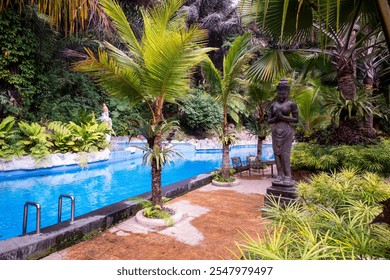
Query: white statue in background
point(105, 117)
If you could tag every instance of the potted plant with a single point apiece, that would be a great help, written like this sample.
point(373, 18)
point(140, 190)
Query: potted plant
point(220, 181)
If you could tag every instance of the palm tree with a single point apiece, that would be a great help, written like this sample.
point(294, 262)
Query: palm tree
point(69, 16)
point(154, 70)
point(338, 26)
point(226, 87)
point(219, 18)
point(345, 35)
point(309, 101)
point(295, 17)
point(259, 100)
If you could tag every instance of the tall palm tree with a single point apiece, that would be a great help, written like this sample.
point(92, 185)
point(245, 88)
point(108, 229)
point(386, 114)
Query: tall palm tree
point(226, 87)
point(154, 70)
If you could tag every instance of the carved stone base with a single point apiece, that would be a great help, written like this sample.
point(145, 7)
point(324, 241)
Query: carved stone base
point(282, 193)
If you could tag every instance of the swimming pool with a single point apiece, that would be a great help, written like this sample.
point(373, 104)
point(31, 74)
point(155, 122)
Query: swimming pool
point(101, 184)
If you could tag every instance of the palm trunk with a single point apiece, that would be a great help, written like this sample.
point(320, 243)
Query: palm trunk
point(156, 172)
point(225, 155)
point(260, 138)
point(384, 13)
point(259, 147)
point(156, 176)
point(368, 85)
point(346, 84)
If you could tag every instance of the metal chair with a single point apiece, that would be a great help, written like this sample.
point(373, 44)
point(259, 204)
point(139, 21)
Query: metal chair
point(255, 163)
point(239, 166)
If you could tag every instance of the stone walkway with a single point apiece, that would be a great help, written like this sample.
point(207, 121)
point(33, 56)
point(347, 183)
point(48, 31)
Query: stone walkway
point(213, 219)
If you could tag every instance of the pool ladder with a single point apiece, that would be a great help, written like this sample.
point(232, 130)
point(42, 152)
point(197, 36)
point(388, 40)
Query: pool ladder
point(38, 213)
point(72, 207)
point(38, 216)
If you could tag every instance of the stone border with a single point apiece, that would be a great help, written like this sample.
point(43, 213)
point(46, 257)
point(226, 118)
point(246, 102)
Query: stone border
point(63, 235)
point(52, 160)
point(226, 184)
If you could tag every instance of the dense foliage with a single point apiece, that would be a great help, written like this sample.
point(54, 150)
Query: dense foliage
point(331, 220)
point(22, 138)
point(200, 111)
point(373, 158)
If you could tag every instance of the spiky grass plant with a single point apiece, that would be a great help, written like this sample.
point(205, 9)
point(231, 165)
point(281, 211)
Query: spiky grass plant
point(372, 158)
point(330, 220)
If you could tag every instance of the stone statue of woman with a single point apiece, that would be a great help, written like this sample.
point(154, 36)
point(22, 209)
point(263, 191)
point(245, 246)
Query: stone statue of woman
point(282, 114)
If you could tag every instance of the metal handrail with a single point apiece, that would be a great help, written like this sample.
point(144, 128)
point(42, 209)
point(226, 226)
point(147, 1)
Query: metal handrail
point(71, 210)
point(38, 217)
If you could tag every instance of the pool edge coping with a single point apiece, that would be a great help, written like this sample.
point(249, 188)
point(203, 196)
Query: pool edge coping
point(65, 234)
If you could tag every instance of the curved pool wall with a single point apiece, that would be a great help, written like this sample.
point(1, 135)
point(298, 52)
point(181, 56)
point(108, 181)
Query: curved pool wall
point(101, 185)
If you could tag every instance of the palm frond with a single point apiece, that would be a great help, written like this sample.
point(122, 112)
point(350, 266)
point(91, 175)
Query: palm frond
point(270, 66)
point(118, 17)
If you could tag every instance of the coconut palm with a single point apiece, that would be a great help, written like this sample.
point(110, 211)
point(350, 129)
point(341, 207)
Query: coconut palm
point(226, 87)
point(259, 99)
point(154, 70)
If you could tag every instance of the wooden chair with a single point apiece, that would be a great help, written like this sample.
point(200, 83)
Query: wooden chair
point(239, 166)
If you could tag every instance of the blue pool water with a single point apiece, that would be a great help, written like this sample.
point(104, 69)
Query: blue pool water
point(101, 184)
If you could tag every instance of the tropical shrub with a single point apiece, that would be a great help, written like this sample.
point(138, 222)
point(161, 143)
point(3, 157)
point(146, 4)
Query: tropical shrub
point(331, 220)
point(10, 145)
point(156, 211)
point(200, 112)
point(372, 158)
point(217, 175)
point(38, 141)
point(61, 137)
point(89, 137)
point(35, 139)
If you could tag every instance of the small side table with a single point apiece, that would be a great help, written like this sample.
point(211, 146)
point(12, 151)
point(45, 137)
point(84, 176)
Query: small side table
point(270, 163)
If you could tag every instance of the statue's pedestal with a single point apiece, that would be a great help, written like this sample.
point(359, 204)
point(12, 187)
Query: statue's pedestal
point(282, 193)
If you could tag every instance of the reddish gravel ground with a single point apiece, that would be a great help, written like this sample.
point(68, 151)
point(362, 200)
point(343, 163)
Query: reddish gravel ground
point(229, 213)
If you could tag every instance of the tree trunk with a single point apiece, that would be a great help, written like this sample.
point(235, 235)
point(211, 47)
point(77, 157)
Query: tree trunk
point(260, 138)
point(259, 147)
point(346, 84)
point(384, 12)
point(156, 176)
point(225, 154)
point(368, 85)
point(157, 143)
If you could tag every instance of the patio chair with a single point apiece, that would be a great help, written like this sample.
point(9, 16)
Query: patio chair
point(255, 163)
point(239, 166)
